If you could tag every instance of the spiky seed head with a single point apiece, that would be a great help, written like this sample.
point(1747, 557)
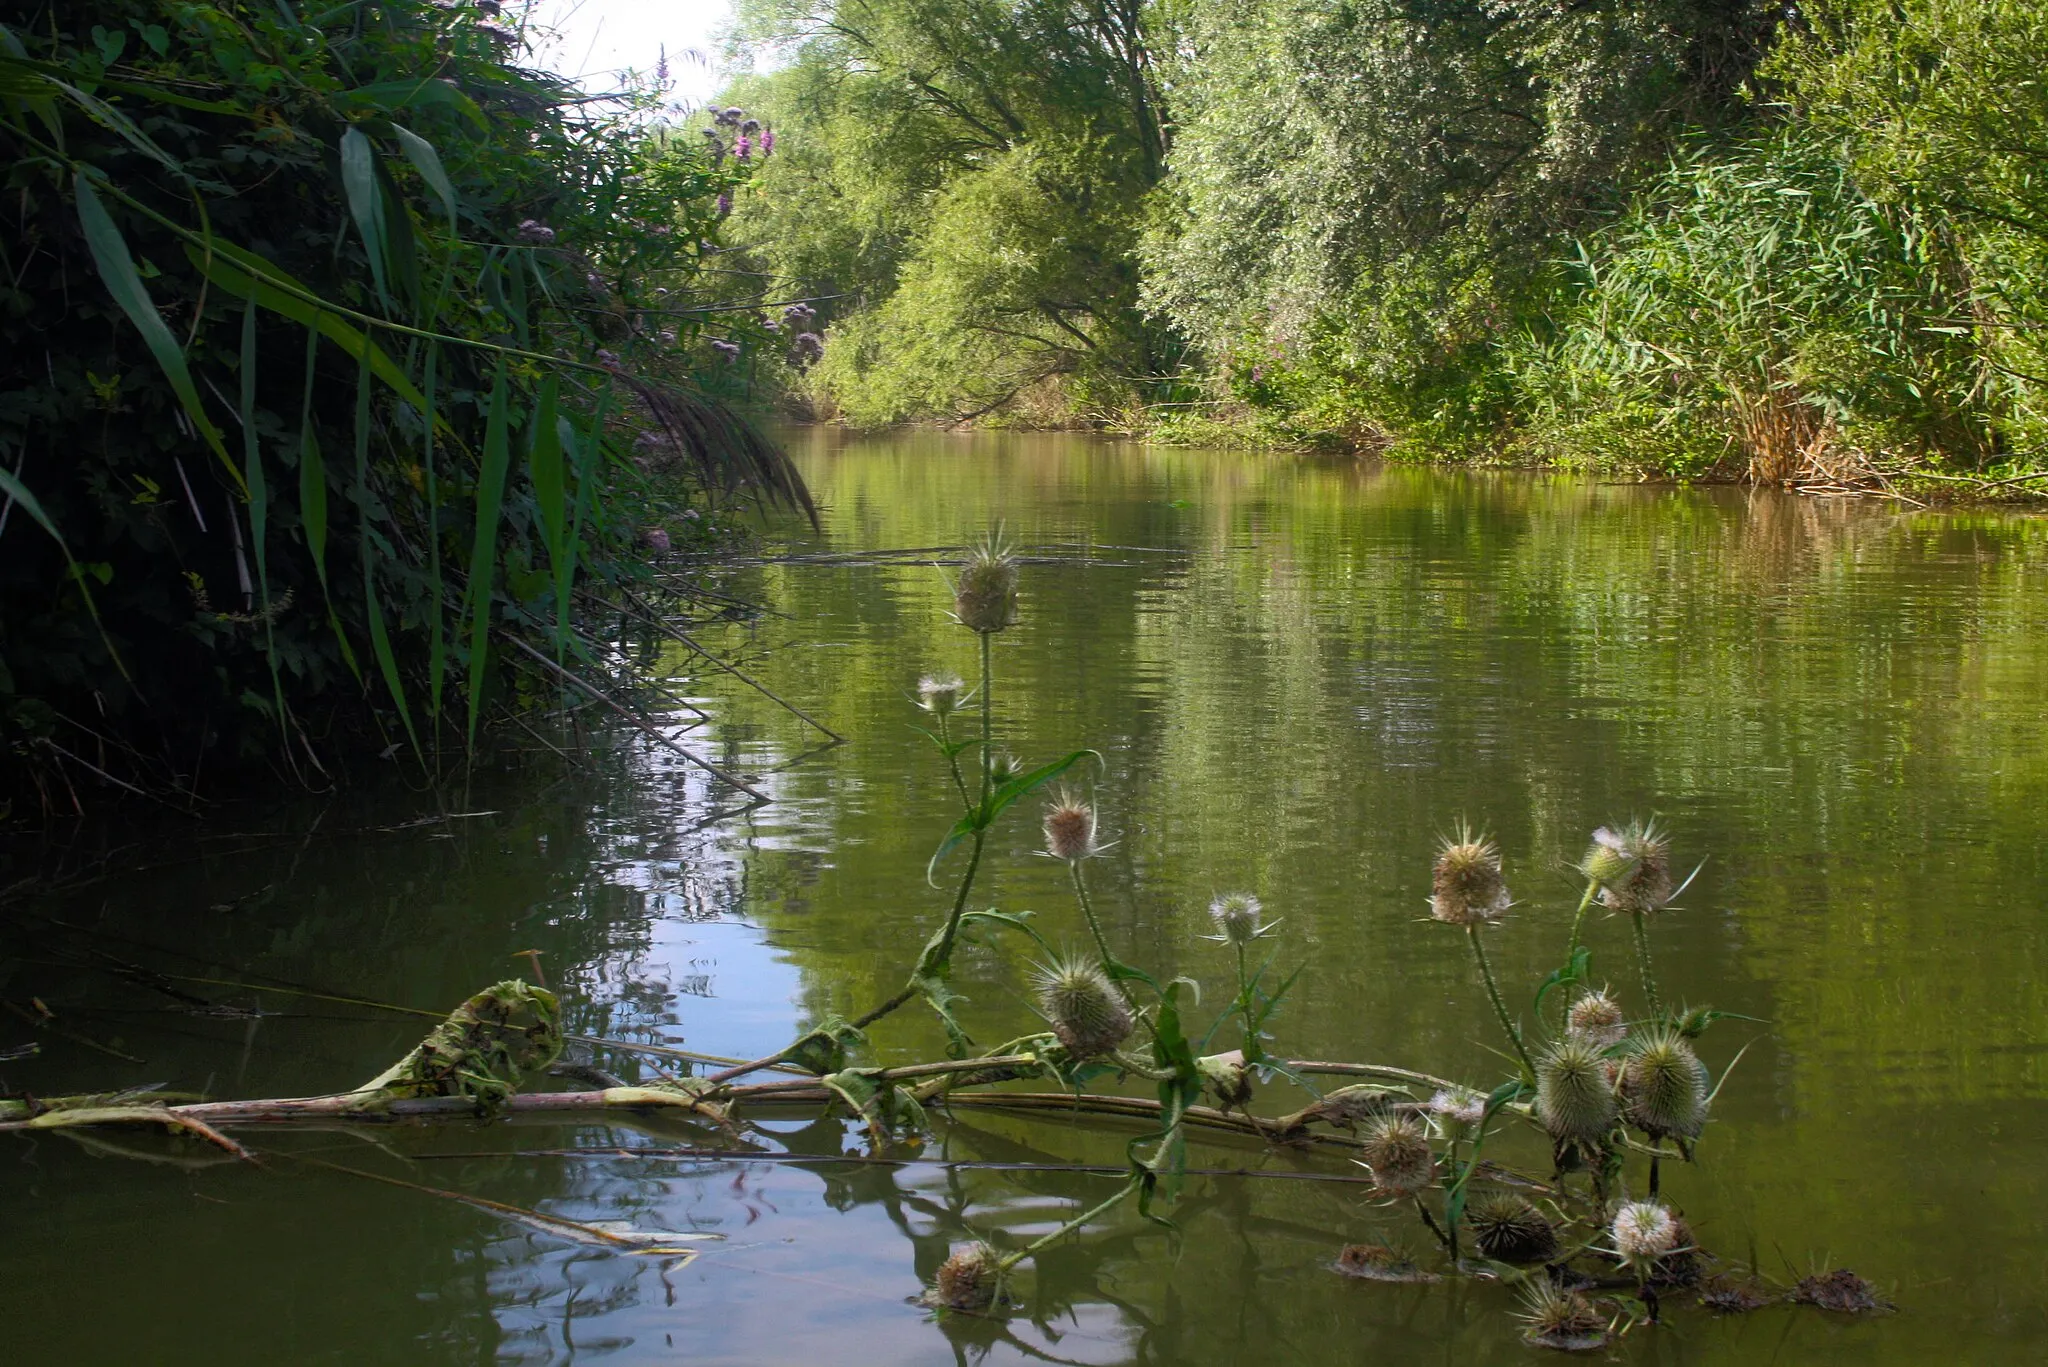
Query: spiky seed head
point(1574, 1094)
point(1070, 827)
point(1086, 1011)
point(1597, 1017)
point(1643, 1232)
point(1396, 1151)
point(1664, 1086)
point(1236, 915)
point(967, 1279)
point(1509, 1229)
point(939, 694)
point(985, 595)
point(1003, 766)
point(1563, 1320)
point(1632, 867)
point(1458, 1111)
point(1467, 889)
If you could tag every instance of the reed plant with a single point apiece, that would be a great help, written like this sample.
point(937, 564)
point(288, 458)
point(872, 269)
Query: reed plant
point(343, 351)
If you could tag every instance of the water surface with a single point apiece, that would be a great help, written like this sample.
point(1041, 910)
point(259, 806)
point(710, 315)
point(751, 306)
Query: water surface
point(1299, 675)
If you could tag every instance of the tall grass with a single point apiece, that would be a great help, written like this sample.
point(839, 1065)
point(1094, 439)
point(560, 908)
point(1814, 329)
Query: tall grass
point(1758, 313)
point(330, 333)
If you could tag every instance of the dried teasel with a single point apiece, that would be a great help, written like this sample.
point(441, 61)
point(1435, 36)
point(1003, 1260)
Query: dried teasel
point(940, 694)
point(1467, 888)
point(1632, 867)
point(1575, 1099)
point(1236, 915)
point(1598, 1019)
point(967, 1279)
point(985, 595)
point(1458, 1111)
point(1562, 1320)
point(1396, 1151)
point(1087, 1013)
point(1663, 1086)
point(1643, 1232)
point(1510, 1229)
point(1070, 827)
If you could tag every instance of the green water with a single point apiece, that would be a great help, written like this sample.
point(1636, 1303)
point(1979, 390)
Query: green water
point(1298, 675)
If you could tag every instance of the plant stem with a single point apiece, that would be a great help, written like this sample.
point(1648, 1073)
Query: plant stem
point(1499, 1006)
point(953, 763)
point(1088, 911)
point(1003, 1266)
point(1643, 964)
point(1571, 949)
point(988, 684)
point(1436, 1229)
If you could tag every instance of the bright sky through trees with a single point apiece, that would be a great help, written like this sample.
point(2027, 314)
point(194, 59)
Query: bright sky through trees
point(593, 39)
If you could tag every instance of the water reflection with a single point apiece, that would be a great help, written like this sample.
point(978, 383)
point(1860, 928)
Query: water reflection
point(1298, 675)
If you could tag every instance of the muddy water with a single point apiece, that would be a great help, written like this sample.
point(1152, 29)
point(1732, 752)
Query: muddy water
point(1298, 676)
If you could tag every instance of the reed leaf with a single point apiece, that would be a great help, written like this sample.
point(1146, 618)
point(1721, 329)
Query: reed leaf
point(373, 607)
point(544, 465)
point(490, 493)
point(117, 270)
point(366, 206)
point(259, 501)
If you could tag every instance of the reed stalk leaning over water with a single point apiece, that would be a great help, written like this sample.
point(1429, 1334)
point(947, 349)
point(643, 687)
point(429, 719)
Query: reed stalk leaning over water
point(1599, 1089)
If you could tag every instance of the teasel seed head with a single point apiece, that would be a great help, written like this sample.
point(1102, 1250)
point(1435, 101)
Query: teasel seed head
point(1086, 1011)
point(967, 1279)
point(1458, 1111)
point(985, 595)
point(1563, 1320)
point(1597, 1018)
point(1467, 889)
point(1397, 1153)
point(1070, 827)
point(1664, 1086)
point(940, 694)
point(1509, 1229)
point(1643, 1232)
point(1574, 1094)
point(1632, 867)
point(1236, 915)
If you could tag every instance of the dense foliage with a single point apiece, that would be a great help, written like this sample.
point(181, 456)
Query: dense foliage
point(1696, 236)
point(327, 336)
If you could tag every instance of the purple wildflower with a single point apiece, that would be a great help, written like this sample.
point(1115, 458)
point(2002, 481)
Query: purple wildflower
point(668, 336)
point(805, 348)
point(724, 203)
point(533, 230)
point(751, 126)
point(729, 350)
point(661, 66)
point(608, 360)
point(744, 148)
point(767, 141)
point(657, 540)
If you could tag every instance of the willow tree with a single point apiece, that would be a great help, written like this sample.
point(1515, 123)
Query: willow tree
point(968, 179)
point(1369, 193)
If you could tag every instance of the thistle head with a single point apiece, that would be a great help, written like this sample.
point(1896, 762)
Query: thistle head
point(1574, 1095)
point(1643, 1232)
point(967, 1279)
point(1467, 889)
point(1087, 1012)
point(1596, 1017)
point(1070, 827)
point(1664, 1086)
point(1509, 1229)
point(1229, 1081)
point(1396, 1151)
point(1236, 915)
point(1458, 1111)
point(1563, 1320)
point(985, 595)
point(940, 694)
point(1632, 867)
